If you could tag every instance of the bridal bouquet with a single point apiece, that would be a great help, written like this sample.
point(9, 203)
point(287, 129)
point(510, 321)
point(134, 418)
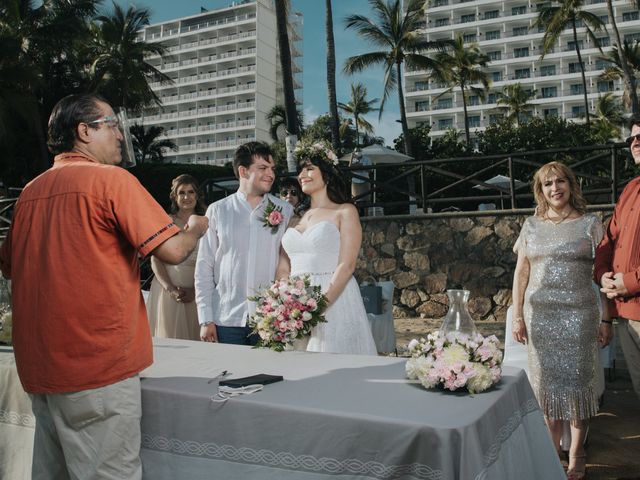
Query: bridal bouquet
point(455, 360)
point(286, 311)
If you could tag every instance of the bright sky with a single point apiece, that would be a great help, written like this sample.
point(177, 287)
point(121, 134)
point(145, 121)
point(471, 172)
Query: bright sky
point(314, 55)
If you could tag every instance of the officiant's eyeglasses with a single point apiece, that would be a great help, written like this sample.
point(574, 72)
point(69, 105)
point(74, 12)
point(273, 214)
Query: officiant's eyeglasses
point(630, 139)
point(293, 192)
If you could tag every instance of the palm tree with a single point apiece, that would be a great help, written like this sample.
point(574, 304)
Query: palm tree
point(331, 78)
point(515, 101)
point(282, 24)
point(629, 55)
point(625, 63)
point(398, 33)
point(357, 106)
point(147, 145)
point(569, 14)
point(463, 68)
point(119, 70)
point(610, 117)
point(277, 118)
point(40, 64)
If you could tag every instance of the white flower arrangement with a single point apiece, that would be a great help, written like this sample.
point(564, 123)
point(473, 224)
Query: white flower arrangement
point(455, 360)
point(320, 150)
point(5, 327)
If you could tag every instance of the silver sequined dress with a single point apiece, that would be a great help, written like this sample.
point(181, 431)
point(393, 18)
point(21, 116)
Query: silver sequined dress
point(561, 314)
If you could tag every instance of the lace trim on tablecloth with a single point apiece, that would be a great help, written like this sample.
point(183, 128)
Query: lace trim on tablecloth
point(15, 418)
point(531, 405)
point(289, 460)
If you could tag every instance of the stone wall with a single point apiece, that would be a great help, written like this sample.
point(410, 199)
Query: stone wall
point(426, 255)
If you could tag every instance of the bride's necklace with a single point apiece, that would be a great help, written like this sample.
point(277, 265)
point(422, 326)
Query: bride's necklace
point(562, 217)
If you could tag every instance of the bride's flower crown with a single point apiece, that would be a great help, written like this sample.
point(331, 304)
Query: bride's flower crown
point(318, 150)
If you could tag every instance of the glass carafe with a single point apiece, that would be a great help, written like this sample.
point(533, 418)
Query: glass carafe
point(458, 318)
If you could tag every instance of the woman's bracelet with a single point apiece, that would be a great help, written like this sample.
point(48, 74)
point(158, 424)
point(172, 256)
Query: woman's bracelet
point(609, 322)
point(519, 319)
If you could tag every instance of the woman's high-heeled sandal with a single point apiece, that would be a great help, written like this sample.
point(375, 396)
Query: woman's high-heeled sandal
point(575, 473)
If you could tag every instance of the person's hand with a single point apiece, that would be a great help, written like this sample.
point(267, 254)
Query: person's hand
point(197, 224)
point(188, 295)
point(519, 330)
point(613, 285)
point(208, 333)
point(605, 334)
point(174, 292)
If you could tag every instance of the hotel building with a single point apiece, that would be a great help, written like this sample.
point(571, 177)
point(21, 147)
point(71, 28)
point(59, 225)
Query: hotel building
point(224, 64)
point(504, 31)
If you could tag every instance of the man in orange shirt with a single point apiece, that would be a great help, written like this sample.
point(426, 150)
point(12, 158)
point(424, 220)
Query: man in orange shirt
point(617, 264)
point(81, 334)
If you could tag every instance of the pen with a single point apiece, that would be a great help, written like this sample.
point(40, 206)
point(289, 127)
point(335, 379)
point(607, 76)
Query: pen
point(224, 373)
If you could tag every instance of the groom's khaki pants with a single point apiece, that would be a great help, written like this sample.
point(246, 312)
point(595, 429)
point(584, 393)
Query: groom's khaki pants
point(92, 434)
point(629, 336)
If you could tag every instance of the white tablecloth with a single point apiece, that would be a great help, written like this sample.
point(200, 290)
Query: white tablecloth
point(334, 416)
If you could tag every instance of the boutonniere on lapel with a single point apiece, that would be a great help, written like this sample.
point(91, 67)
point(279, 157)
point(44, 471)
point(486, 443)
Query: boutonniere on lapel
point(272, 217)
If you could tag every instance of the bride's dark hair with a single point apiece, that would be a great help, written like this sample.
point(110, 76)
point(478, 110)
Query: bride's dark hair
point(337, 188)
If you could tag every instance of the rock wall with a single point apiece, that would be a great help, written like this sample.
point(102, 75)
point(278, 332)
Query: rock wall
point(426, 255)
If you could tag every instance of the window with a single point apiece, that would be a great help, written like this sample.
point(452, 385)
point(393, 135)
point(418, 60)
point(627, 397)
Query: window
point(549, 92)
point(440, 3)
point(602, 64)
point(547, 70)
point(550, 112)
point(632, 37)
point(474, 121)
point(491, 14)
point(576, 89)
point(519, 31)
point(520, 10)
point(604, 19)
point(471, 17)
point(441, 22)
point(495, 117)
point(604, 41)
point(572, 45)
point(577, 111)
point(521, 52)
point(469, 37)
point(491, 98)
point(630, 16)
point(496, 76)
point(493, 35)
point(605, 86)
point(445, 123)
point(522, 73)
point(574, 67)
point(445, 103)
point(474, 100)
point(422, 106)
point(424, 85)
point(495, 55)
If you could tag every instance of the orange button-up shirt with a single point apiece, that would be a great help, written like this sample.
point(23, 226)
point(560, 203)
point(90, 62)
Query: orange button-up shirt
point(619, 250)
point(79, 320)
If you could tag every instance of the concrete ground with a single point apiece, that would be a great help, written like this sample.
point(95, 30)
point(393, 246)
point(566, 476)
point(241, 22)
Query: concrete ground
point(613, 445)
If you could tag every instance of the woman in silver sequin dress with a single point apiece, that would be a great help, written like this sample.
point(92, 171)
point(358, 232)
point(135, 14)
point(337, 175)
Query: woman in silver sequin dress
point(555, 307)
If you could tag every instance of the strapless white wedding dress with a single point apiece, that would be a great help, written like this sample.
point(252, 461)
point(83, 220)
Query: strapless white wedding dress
point(315, 253)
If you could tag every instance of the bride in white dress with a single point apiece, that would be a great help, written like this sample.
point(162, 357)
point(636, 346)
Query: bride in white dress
point(324, 244)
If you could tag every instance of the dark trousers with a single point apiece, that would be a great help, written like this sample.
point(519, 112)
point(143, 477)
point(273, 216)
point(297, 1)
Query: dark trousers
point(236, 335)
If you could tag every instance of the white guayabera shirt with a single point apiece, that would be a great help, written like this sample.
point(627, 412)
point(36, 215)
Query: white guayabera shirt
point(237, 256)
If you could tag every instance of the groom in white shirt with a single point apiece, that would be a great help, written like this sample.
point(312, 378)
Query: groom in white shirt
point(239, 253)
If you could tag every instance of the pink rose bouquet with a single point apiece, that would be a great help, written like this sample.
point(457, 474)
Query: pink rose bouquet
point(286, 311)
point(455, 360)
point(272, 216)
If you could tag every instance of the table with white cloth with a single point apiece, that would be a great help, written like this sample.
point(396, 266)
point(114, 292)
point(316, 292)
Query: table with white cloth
point(333, 416)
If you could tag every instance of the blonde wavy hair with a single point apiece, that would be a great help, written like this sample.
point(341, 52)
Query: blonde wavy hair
point(576, 200)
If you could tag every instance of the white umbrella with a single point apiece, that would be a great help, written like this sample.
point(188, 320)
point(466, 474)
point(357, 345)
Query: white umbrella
point(380, 154)
point(501, 181)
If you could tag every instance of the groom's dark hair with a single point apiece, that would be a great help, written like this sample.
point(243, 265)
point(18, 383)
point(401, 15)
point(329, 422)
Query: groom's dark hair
point(245, 153)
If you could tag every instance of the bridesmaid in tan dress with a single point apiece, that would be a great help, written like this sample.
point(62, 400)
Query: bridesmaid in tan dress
point(171, 307)
point(555, 307)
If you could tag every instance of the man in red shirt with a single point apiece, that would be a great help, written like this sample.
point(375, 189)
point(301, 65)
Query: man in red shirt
point(617, 264)
point(81, 334)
